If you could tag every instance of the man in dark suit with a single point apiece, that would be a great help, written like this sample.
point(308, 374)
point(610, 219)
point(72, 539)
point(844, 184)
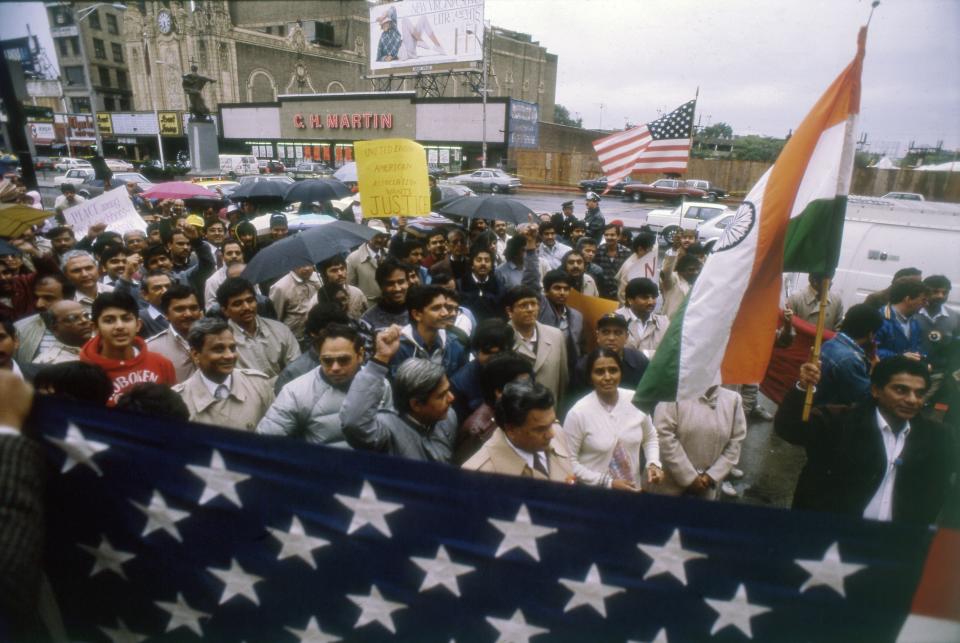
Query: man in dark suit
point(21, 513)
point(878, 459)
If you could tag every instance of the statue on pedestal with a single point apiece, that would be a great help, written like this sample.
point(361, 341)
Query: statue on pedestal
point(193, 84)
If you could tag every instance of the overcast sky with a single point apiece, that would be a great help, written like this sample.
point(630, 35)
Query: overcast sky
point(759, 65)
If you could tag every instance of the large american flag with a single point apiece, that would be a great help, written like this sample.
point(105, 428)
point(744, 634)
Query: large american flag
point(659, 146)
point(165, 531)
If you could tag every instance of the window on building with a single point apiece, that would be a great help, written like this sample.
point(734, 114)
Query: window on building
point(75, 45)
point(124, 104)
point(74, 75)
point(80, 105)
point(117, 51)
point(61, 16)
point(282, 30)
point(121, 79)
point(323, 34)
point(112, 25)
point(62, 46)
point(109, 104)
point(99, 50)
point(104, 76)
point(94, 20)
point(268, 30)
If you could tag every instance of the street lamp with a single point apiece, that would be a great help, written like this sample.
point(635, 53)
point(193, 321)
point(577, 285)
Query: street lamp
point(81, 15)
point(483, 148)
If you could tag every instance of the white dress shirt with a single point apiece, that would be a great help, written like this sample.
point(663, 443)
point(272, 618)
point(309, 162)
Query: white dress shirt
point(881, 505)
point(527, 457)
point(213, 386)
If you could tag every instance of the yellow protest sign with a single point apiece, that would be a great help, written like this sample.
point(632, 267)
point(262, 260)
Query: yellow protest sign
point(393, 178)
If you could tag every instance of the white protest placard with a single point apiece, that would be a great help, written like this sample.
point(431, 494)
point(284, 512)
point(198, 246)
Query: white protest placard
point(113, 208)
point(645, 266)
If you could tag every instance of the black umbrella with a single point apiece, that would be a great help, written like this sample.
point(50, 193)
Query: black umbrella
point(310, 190)
point(260, 190)
point(487, 207)
point(309, 247)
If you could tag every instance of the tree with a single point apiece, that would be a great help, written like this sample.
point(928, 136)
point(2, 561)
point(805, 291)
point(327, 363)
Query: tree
point(717, 130)
point(561, 116)
point(757, 148)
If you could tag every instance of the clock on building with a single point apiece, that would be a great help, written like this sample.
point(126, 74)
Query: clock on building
point(165, 21)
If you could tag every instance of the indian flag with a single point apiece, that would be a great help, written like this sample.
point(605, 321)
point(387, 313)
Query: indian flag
point(791, 220)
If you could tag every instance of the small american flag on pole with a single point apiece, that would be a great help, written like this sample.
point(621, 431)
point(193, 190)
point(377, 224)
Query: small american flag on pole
point(662, 145)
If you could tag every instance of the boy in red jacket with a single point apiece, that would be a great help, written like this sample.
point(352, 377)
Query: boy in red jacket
point(118, 351)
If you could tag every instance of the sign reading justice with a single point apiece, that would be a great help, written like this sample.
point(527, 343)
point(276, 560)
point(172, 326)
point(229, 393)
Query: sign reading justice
point(393, 178)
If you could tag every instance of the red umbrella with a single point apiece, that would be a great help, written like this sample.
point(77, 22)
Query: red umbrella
point(179, 190)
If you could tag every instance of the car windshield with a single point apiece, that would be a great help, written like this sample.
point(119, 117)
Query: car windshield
point(129, 176)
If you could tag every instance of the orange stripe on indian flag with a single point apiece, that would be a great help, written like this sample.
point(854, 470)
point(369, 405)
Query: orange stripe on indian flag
point(756, 322)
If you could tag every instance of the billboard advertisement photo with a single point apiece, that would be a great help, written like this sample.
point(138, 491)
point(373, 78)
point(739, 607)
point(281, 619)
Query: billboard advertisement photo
point(425, 35)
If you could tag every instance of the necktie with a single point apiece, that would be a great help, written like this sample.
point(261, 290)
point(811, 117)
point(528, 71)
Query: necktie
point(222, 392)
point(539, 465)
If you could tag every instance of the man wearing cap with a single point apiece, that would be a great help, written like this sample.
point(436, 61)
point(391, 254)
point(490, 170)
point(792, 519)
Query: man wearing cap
point(388, 49)
point(612, 335)
point(593, 218)
point(566, 209)
point(362, 263)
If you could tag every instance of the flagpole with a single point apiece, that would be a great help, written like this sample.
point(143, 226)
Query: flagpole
point(817, 341)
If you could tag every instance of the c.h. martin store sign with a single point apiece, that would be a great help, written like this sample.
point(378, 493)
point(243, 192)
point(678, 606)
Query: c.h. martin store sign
point(323, 127)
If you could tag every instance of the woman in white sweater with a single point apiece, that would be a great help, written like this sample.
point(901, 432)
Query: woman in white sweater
point(606, 432)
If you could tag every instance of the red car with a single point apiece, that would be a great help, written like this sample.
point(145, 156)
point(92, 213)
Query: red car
point(663, 189)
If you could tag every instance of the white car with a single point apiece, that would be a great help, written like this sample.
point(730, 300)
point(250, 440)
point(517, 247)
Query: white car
point(903, 196)
point(68, 163)
point(76, 176)
point(713, 229)
point(118, 165)
point(689, 216)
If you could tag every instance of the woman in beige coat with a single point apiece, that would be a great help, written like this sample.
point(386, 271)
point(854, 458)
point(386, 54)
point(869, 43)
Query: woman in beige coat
point(699, 442)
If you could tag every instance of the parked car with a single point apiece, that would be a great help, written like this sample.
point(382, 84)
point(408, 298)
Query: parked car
point(45, 162)
point(712, 230)
point(91, 187)
point(599, 184)
point(76, 177)
point(437, 171)
point(663, 189)
point(218, 185)
point(689, 216)
point(453, 190)
point(903, 196)
point(488, 180)
point(69, 163)
point(269, 166)
point(118, 165)
point(713, 192)
point(283, 178)
point(309, 170)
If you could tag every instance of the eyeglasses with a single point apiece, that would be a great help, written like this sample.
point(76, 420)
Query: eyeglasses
point(73, 319)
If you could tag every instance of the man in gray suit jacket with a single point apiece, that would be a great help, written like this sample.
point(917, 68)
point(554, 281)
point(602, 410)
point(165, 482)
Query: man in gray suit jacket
point(543, 346)
point(555, 312)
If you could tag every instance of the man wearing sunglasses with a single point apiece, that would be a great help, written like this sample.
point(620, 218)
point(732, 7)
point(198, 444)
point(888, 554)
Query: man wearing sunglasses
point(70, 324)
point(308, 407)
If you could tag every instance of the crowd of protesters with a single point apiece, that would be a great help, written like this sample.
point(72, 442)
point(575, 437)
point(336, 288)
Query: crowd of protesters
point(457, 344)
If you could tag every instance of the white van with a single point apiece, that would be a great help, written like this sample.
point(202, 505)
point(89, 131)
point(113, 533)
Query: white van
point(881, 236)
point(239, 164)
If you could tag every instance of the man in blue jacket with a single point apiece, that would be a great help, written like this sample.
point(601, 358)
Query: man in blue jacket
point(900, 332)
point(424, 337)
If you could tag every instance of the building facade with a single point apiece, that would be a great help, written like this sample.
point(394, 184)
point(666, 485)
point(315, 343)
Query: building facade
point(90, 49)
point(257, 51)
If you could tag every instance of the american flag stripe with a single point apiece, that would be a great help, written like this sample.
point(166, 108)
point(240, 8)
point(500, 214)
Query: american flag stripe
point(650, 147)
